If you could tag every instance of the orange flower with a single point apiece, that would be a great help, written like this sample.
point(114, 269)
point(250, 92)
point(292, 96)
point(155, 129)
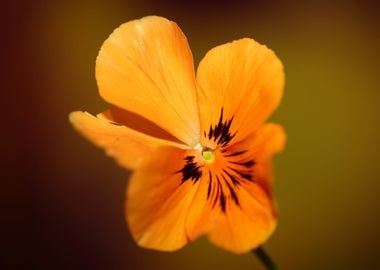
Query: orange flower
point(197, 144)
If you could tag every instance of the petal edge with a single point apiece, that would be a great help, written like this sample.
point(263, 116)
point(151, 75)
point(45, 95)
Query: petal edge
point(146, 67)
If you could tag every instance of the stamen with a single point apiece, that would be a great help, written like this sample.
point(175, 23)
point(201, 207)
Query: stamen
point(208, 156)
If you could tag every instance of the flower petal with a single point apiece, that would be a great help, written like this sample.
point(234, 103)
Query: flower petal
point(129, 147)
point(268, 140)
point(238, 214)
point(244, 228)
point(158, 201)
point(237, 226)
point(136, 122)
point(146, 67)
point(243, 78)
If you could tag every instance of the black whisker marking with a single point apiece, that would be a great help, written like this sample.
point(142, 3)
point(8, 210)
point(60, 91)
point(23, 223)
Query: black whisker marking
point(236, 153)
point(233, 179)
point(221, 132)
point(232, 191)
point(217, 193)
point(209, 185)
point(244, 175)
point(191, 170)
point(248, 163)
point(222, 198)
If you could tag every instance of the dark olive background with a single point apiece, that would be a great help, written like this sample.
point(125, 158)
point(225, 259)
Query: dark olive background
point(62, 198)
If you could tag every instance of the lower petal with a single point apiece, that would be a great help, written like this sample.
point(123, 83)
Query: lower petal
point(236, 223)
point(245, 227)
point(234, 203)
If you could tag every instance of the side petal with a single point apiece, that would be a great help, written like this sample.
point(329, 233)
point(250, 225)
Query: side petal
point(243, 78)
point(269, 140)
point(158, 201)
point(146, 67)
point(130, 148)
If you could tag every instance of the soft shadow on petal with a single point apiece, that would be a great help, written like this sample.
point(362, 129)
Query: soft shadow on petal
point(244, 78)
point(136, 122)
point(130, 148)
point(146, 67)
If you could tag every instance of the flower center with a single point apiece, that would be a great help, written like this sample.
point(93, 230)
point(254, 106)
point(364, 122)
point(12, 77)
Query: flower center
point(231, 166)
point(208, 156)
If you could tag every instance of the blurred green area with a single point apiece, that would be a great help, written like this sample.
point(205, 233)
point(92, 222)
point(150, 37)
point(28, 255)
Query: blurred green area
point(63, 201)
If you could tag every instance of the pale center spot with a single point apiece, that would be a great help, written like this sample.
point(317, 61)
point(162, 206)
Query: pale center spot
point(208, 156)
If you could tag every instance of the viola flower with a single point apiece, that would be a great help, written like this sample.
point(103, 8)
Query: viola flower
point(197, 143)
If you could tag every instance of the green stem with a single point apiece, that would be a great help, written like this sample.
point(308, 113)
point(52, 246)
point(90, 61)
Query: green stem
point(265, 259)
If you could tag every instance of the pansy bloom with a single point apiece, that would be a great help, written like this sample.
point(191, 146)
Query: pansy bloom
point(197, 143)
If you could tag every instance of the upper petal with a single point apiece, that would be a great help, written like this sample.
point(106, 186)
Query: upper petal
point(242, 78)
point(146, 67)
point(129, 147)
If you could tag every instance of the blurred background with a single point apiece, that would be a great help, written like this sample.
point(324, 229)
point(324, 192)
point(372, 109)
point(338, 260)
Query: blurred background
point(62, 198)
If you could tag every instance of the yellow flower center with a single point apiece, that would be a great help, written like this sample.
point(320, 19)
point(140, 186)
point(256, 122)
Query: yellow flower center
point(208, 156)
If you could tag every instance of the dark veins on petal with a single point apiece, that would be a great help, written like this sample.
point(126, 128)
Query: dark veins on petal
point(221, 133)
point(191, 170)
point(222, 186)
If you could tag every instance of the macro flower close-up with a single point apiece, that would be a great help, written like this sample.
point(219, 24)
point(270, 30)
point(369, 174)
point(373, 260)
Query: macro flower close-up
point(190, 135)
point(197, 142)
